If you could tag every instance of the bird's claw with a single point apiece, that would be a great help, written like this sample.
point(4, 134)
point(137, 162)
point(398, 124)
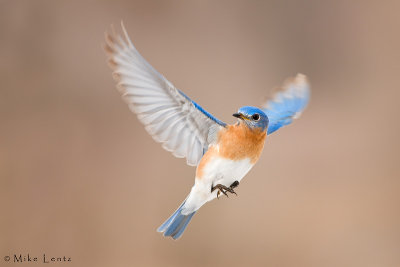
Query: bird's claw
point(224, 189)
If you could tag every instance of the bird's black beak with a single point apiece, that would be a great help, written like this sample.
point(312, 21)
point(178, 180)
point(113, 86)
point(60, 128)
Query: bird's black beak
point(237, 115)
point(240, 116)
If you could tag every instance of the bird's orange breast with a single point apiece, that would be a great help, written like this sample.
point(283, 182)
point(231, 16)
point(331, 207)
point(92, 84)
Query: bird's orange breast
point(235, 142)
point(238, 142)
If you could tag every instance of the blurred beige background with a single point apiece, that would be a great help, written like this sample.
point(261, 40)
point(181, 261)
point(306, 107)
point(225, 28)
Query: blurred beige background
point(80, 177)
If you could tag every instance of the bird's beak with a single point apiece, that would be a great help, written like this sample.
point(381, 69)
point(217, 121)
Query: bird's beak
point(239, 116)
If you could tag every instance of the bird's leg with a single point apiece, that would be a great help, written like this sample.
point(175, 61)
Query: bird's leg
point(223, 189)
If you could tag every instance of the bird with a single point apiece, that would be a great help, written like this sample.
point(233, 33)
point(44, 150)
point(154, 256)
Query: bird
point(222, 153)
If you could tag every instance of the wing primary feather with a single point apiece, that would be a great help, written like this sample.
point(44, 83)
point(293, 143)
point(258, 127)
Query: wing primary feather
point(170, 116)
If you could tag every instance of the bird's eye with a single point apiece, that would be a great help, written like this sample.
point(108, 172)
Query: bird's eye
point(255, 117)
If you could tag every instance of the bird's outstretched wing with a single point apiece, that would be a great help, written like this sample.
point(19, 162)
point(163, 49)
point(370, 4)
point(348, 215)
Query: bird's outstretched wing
point(288, 103)
point(170, 116)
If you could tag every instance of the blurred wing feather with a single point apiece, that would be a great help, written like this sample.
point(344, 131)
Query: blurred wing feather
point(288, 103)
point(170, 117)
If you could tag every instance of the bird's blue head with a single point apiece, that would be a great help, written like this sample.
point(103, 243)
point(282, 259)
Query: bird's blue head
point(253, 117)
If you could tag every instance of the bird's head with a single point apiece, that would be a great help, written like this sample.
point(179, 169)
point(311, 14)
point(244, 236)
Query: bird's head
point(253, 117)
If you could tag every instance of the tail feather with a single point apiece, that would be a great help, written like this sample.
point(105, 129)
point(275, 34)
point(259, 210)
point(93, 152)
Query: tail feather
point(175, 225)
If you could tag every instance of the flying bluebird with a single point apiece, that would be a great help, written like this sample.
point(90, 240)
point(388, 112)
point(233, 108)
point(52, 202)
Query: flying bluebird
point(223, 153)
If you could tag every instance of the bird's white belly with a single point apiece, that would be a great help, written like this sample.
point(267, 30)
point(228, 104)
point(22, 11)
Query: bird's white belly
point(218, 171)
point(225, 171)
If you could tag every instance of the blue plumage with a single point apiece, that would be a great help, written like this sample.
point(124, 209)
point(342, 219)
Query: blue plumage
point(175, 225)
point(288, 103)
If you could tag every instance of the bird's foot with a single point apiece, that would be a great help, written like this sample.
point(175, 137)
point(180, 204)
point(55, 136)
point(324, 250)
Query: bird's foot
point(223, 189)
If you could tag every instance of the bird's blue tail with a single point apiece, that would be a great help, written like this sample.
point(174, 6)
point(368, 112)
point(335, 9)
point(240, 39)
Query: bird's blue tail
point(176, 224)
